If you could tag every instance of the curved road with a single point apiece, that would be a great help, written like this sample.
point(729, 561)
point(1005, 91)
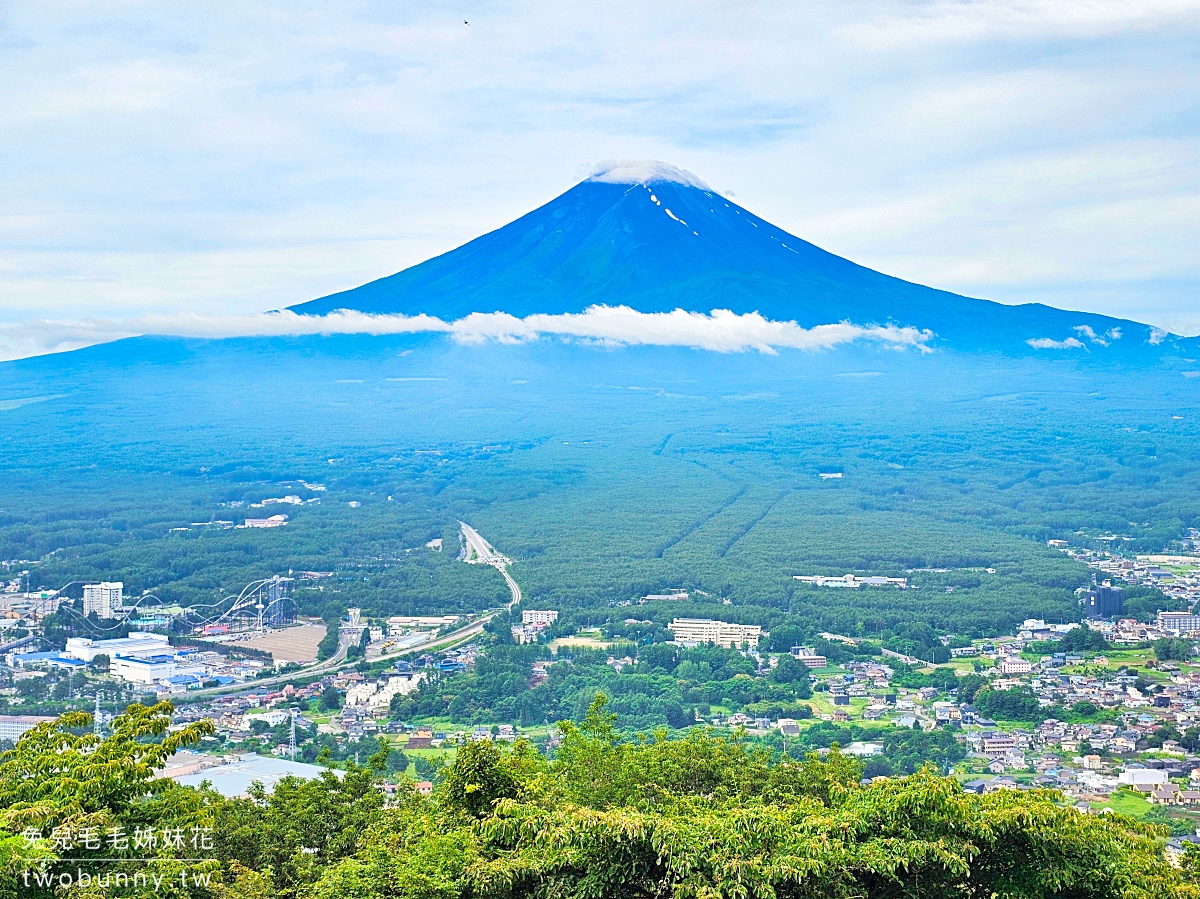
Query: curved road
point(484, 554)
point(480, 552)
point(512, 585)
point(338, 660)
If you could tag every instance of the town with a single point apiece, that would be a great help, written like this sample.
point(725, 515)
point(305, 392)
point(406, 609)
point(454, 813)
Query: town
point(1104, 709)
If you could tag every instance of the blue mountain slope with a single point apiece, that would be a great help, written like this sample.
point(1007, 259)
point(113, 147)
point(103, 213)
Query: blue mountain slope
point(659, 244)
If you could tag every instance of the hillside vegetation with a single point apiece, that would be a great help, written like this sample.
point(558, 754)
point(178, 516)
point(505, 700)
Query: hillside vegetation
point(702, 816)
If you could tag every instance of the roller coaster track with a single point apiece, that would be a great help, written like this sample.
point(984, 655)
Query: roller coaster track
point(479, 551)
point(114, 624)
point(250, 597)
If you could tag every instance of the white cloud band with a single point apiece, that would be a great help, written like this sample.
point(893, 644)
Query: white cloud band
point(720, 330)
point(1049, 343)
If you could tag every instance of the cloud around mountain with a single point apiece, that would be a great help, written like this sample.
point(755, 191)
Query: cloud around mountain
point(719, 330)
point(642, 253)
point(644, 171)
point(652, 237)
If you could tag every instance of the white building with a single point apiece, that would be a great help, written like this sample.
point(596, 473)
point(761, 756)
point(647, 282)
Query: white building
point(1014, 665)
point(141, 658)
point(139, 644)
point(377, 695)
point(863, 749)
point(1178, 622)
point(1143, 777)
point(103, 599)
point(852, 581)
point(539, 618)
point(806, 657)
point(275, 521)
point(705, 630)
point(996, 744)
point(147, 670)
point(270, 717)
point(154, 669)
point(12, 726)
point(398, 625)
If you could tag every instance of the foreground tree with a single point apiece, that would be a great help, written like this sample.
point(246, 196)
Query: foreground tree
point(707, 817)
point(73, 801)
point(649, 817)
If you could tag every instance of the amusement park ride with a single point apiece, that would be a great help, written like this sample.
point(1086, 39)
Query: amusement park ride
point(261, 604)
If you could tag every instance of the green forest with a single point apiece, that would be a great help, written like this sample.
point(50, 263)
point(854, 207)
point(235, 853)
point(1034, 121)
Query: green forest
point(602, 496)
point(602, 816)
point(604, 474)
point(666, 687)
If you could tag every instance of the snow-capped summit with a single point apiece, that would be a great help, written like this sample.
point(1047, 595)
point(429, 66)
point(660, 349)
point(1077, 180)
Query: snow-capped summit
point(644, 171)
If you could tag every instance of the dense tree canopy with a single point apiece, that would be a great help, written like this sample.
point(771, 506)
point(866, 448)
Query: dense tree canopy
point(606, 816)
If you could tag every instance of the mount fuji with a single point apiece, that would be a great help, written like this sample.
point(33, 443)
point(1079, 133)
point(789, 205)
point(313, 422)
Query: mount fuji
point(612, 463)
point(609, 296)
point(655, 238)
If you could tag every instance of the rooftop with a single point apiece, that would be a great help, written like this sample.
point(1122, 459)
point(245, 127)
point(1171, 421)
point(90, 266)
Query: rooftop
point(234, 778)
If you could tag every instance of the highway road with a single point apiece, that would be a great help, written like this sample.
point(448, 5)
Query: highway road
point(466, 631)
point(338, 661)
point(480, 552)
point(512, 586)
point(478, 549)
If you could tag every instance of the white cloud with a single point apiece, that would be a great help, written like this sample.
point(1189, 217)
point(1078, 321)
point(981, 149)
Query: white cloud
point(1090, 333)
point(643, 171)
point(1112, 334)
point(136, 86)
point(1047, 343)
point(720, 331)
point(950, 21)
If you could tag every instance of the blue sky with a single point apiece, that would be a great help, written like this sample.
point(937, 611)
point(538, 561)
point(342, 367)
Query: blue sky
point(232, 158)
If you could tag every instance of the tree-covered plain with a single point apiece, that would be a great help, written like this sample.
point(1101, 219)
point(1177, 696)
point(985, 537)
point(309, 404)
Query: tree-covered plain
point(605, 474)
